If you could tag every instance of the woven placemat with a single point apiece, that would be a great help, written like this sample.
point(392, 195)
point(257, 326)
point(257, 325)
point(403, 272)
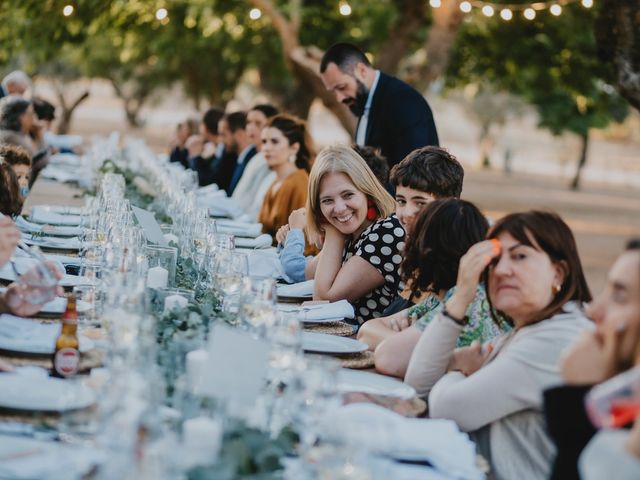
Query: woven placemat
point(88, 360)
point(358, 360)
point(341, 329)
point(47, 419)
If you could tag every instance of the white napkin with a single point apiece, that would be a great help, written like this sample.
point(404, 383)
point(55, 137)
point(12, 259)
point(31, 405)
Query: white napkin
point(265, 263)
point(208, 189)
point(65, 210)
point(240, 229)
point(439, 442)
point(30, 227)
point(301, 289)
point(324, 312)
point(263, 241)
point(221, 206)
point(25, 334)
point(69, 243)
point(44, 215)
point(60, 174)
point(65, 159)
point(27, 458)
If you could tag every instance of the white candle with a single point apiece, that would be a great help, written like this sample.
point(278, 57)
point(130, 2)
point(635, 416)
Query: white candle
point(157, 277)
point(175, 301)
point(202, 438)
point(196, 365)
point(170, 237)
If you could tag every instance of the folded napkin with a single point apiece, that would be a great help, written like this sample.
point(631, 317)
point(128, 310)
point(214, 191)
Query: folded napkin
point(380, 430)
point(239, 229)
point(265, 263)
point(221, 206)
point(323, 312)
point(27, 335)
point(65, 159)
point(208, 189)
point(61, 231)
point(69, 243)
point(302, 289)
point(263, 241)
point(44, 215)
point(60, 174)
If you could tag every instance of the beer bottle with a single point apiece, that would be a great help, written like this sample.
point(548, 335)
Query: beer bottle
point(66, 358)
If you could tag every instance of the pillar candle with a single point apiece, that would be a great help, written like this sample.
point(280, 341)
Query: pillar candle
point(175, 301)
point(157, 277)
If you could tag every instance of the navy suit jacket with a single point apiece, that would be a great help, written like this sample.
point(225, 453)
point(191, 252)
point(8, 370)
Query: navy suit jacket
point(218, 170)
point(400, 120)
point(239, 170)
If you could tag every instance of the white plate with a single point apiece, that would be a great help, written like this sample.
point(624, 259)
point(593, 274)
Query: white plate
point(23, 265)
point(373, 383)
point(24, 335)
point(23, 392)
point(47, 215)
point(324, 343)
point(58, 305)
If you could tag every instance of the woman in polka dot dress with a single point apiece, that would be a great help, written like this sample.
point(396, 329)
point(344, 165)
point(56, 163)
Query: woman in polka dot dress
point(363, 240)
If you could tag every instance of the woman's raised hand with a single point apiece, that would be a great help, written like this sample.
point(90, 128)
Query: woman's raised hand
point(472, 264)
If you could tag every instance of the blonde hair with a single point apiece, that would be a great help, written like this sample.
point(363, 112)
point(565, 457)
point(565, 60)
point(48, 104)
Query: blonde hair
point(343, 159)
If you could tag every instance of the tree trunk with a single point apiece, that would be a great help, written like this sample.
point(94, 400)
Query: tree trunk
point(64, 124)
point(440, 40)
point(401, 35)
point(575, 184)
point(618, 37)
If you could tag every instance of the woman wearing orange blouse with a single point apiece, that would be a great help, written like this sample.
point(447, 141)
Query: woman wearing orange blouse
point(288, 150)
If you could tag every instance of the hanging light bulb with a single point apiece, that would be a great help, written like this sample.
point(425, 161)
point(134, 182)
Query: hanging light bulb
point(529, 14)
point(587, 3)
point(435, 3)
point(255, 13)
point(161, 13)
point(465, 7)
point(67, 10)
point(488, 11)
point(506, 14)
point(345, 9)
point(555, 9)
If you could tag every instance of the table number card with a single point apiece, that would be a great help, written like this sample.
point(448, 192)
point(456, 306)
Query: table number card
point(237, 367)
point(149, 224)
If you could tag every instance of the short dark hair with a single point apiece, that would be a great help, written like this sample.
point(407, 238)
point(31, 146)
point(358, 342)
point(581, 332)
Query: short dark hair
point(267, 109)
point(295, 131)
point(44, 110)
point(211, 118)
point(376, 161)
point(553, 237)
point(345, 56)
point(15, 155)
point(236, 121)
point(429, 169)
point(11, 108)
point(10, 198)
point(444, 230)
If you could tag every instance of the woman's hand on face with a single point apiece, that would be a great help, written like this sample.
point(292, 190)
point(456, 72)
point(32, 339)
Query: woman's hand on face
point(298, 218)
point(472, 264)
point(9, 238)
point(281, 234)
point(468, 360)
point(398, 321)
point(592, 359)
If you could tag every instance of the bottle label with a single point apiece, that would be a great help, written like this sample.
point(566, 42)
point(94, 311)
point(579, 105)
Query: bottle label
point(66, 361)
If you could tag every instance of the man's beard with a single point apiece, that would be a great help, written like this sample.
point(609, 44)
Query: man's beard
point(358, 104)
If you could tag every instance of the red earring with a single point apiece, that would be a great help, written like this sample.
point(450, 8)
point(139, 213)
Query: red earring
point(372, 211)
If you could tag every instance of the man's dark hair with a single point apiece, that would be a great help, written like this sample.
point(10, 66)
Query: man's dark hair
point(44, 110)
point(15, 155)
point(11, 109)
point(10, 199)
point(267, 109)
point(211, 119)
point(345, 56)
point(376, 161)
point(236, 121)
point(430, 169)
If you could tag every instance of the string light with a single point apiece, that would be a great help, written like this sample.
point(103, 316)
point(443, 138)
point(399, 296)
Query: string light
point(465, 7)
point(488, 11)
point(435, 3)
point(67, 10)
point(587, 3)
point(529, 14)
point(555, 10)
point(506, 14)
point(255, 14)
point(345, 9)
point(161, 13)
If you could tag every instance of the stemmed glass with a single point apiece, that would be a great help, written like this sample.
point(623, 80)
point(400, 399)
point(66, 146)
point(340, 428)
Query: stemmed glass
point(257, 304)
point(229, 269)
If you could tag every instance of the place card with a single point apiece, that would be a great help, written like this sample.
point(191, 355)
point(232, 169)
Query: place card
point(237, 368)
point(150, 225)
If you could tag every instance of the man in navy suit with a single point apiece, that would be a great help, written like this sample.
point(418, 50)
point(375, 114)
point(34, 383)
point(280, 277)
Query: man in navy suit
point(233, 133)
point(392, 116)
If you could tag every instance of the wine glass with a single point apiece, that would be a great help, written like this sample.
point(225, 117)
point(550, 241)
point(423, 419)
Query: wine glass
point(229, 268)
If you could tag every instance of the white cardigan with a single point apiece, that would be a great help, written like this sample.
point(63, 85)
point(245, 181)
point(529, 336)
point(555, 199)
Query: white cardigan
point(253, 185)
point(501, 404)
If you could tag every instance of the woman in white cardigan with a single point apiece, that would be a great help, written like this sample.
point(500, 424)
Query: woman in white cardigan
point(533, 274)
